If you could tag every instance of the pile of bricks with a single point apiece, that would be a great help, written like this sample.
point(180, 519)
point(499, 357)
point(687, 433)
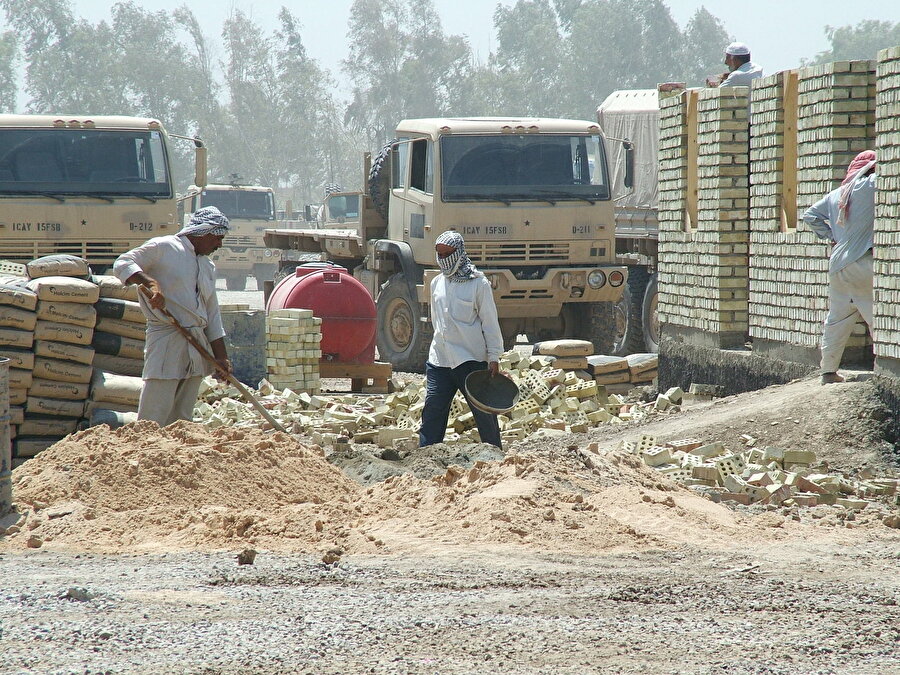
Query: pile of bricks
point(552, 402)
point(758, 475)
point(292, 349)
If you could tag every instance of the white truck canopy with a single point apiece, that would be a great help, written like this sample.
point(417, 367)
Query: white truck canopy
point(632, 114)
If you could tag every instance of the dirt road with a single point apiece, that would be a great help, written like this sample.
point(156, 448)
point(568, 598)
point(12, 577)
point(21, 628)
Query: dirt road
point(781, 609)
point(541, 561)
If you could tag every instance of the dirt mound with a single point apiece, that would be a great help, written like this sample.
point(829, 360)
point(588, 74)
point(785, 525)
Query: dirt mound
point(182, 486)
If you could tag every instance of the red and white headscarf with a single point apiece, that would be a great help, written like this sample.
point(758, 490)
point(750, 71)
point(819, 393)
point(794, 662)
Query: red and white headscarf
point(858, 167)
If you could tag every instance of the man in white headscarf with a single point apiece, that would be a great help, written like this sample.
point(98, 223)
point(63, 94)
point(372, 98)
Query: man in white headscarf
point(741, 70)
point(467, 338)
point(180, 277)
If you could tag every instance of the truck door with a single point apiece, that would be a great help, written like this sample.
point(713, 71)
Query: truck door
point(418, 195)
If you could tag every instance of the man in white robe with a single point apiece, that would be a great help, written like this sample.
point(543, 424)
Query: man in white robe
point(180, 277)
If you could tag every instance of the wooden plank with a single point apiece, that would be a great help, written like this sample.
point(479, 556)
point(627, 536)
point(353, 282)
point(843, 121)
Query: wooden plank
point(355, 371)
point(690, 215)
point(789, 180)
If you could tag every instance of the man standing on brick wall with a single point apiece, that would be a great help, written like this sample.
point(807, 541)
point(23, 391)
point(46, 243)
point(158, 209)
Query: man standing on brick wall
point(741, 71)
point(846, 217)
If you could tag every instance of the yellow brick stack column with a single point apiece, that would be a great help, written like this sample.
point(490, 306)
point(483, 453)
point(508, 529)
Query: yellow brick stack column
point(887, 215)
point(704, 255)
point(292, 349)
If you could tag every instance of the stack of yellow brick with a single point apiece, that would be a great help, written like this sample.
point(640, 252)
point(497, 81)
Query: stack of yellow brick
point(292, 349)
point(887, 237)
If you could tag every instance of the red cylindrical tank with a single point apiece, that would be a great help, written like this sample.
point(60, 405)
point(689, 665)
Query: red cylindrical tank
point(342, 302)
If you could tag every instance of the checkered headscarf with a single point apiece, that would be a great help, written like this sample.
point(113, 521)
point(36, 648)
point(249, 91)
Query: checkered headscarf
point(456, 266)
point(208, 220)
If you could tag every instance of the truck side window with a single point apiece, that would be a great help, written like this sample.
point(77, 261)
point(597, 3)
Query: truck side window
point(398, 165)
point(421, 174)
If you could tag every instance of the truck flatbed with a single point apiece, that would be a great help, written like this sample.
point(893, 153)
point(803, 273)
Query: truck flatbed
point(337, 243)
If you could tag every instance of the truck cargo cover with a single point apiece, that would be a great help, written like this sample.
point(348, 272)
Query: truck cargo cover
point(632, 114)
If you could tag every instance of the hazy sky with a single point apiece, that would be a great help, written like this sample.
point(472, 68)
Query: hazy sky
point(779, 32)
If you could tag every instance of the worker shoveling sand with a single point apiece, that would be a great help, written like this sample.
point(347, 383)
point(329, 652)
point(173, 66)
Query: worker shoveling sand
point(184, 487)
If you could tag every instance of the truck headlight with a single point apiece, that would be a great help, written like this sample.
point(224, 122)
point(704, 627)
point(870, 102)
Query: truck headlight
point(596, 279)
point(268, 253)
point(616, 279)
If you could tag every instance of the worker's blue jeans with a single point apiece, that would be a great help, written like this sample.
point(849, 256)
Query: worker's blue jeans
point(441, 385)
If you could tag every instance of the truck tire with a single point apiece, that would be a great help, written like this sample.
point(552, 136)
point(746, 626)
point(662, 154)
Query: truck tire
point(235, 282)
point(595, 322)
point(380, 179)
point(649, 315)
point(629, 337)
point(403, 338)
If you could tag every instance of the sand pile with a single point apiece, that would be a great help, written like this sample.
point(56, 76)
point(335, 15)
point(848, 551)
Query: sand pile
point(181, 486)
point(184, 487)
point(571, 501)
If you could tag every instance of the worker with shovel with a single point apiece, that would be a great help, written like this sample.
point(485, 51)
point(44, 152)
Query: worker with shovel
point(178, 293)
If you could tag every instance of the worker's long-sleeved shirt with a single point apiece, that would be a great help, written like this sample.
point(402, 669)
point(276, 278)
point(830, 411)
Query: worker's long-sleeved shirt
point(855, 236)
point(466, 327)
point(743, 76)
point(188, 283)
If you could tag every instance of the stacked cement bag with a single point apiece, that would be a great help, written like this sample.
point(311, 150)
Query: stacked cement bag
point(120, 329)
point(613, 372)
point(114, 399)
point(62, 350)
point(17, 322)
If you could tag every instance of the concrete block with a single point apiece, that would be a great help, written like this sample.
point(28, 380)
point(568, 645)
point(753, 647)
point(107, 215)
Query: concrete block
point(799, 457)
point(713, 449)
point(851, 503)
point(685, 444)
point(656, 456)
point(675, 395)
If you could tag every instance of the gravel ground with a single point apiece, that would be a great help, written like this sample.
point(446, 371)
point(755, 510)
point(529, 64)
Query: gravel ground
point(688, 611)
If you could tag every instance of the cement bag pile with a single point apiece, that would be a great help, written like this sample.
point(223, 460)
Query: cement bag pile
point(17, 322)
point(62, 352)
point(119, 359)
point(119, 331)
point(617, 374)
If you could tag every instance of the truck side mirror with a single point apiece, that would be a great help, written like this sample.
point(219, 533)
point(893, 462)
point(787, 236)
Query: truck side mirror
point(629, 164)
point(199, 164)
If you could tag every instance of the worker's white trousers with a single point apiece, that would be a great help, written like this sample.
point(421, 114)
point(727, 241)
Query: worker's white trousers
point(849, 298)
point(167, 401)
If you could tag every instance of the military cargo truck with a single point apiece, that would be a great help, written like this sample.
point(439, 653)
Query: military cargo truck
point(531, 197)
point(90, 186)
point(250, 210)
point(633, 115)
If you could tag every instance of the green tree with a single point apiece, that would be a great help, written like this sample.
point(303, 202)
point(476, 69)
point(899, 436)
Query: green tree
point(859, 42)
point(703, 48)
point(9, 53)
point(402, 64)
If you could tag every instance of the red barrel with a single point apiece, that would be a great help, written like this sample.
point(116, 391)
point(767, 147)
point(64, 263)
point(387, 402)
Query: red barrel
point(342, 302)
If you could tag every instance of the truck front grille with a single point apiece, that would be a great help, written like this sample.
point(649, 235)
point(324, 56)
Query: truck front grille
point(241, 240)
point(93, 252)
point(490, 252)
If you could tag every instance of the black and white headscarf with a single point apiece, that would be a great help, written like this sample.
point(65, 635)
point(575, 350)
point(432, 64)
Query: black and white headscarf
point(208, 220)
point(456, 266)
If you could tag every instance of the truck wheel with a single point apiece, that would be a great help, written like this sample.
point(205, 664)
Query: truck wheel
point(380, 179)
point(629, 337)
point(402, 338)
point(649, 315)
point(236, 282)
point(594, 322)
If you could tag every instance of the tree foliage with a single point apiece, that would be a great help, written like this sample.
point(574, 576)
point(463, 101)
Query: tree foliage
point(862, 41)
point(268, 112)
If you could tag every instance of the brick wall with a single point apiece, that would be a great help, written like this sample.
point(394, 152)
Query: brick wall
point(745, 263)
point(703, 258)
point(887, 214)
point(835, 116)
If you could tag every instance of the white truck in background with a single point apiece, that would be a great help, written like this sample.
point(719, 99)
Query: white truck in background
point(633, 115)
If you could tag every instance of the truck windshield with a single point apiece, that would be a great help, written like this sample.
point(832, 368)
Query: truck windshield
point(247, 204)
point(106, 162)
point(343, 207)
point(528, 167)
